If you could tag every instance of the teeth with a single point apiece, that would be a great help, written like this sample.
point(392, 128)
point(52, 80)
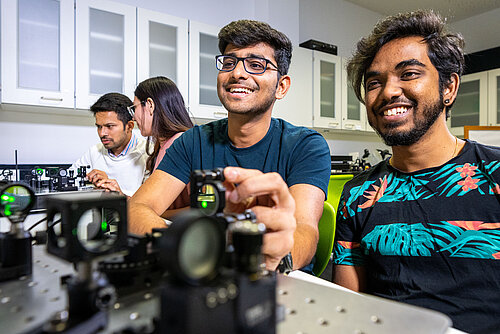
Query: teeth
point(240, 90)
point(395, 111)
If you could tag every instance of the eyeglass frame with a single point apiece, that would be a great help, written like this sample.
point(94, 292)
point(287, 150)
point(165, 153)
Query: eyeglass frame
point(131, 109)
point(242, 59)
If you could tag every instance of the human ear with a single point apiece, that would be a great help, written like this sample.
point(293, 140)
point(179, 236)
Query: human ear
point(150, 106)
point(283, 87)
point(451, 89)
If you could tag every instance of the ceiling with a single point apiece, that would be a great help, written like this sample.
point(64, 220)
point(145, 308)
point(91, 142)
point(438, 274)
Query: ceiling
point(453, 10)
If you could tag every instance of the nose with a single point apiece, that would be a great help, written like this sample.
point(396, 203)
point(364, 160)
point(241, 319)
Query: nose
point(239, 71)
point(392, 89)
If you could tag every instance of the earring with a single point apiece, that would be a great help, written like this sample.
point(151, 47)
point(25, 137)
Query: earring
point(446, 101)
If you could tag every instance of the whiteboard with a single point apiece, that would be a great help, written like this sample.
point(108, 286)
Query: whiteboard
point(488, 135)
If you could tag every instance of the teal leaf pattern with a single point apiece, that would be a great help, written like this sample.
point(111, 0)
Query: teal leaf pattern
point(399, 239)
point(346, 256)
point(402, 187)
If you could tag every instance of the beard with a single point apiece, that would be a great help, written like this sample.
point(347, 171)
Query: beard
point(393, 137)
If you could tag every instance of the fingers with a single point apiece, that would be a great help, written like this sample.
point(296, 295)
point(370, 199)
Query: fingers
point(274, 207)
point(257, 184)
point(96, 175)
point(109, 185)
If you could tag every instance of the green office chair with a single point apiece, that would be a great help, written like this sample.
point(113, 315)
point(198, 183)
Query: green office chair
point(326, 226)
point(335, 187)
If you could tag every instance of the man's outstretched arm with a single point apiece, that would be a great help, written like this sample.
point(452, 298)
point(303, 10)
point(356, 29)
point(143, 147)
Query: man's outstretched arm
point(151, 200)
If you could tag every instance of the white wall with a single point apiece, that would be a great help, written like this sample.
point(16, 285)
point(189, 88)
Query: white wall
point(336, 22)
point(481, 32)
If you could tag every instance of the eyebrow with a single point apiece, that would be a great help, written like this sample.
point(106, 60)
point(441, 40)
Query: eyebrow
point(409, 62)
point(249, 55)
point(400, 65)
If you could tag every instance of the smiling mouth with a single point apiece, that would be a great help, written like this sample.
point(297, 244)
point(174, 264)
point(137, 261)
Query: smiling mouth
point(241, 90)
point(395, 111)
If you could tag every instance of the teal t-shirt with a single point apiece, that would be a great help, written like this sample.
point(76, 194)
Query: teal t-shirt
point(298, 154)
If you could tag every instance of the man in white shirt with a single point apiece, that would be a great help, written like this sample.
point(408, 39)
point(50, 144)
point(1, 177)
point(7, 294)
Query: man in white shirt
point(121, 155)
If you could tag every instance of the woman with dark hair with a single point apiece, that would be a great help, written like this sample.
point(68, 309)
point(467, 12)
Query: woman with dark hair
point(161, 116)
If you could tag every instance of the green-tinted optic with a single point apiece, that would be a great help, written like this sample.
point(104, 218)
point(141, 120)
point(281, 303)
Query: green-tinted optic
point(104, 226)
point(204, 204)
point(75, 231)
point(7, 211)
point(5, 197)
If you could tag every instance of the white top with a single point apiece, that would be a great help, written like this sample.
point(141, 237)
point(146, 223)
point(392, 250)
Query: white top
point(127, 168)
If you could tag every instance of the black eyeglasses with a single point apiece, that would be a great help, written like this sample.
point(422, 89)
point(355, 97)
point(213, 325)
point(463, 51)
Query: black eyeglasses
point(131, 109)
point(253, 65)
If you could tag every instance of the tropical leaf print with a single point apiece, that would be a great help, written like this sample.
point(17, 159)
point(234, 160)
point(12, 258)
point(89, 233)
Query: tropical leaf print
point(468, 238)
point(348, 253)
point(399, 239)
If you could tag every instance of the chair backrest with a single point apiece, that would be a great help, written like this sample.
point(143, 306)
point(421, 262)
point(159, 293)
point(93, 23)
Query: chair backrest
point(335, 187)
point(326, 226)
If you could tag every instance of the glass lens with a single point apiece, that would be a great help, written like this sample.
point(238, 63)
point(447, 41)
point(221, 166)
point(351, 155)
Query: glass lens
point(131, 110)
point(14, 199)
point(226, 63)
point(199, 250)
point(93, 229)
point(255, 65)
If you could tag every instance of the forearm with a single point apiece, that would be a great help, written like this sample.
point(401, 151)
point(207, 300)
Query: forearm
point(142, 219)
point(304, 246)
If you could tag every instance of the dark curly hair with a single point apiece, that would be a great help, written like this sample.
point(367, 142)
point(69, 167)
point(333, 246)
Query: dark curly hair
point(445, 49)
point(114, 102)
point(243, 33)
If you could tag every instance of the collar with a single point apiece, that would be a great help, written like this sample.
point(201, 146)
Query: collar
point(130, 146)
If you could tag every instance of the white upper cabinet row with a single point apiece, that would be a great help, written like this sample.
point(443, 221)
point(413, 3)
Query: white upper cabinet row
point(319, 82)
point(66, 53)
point(43, 64)
point(478, 101)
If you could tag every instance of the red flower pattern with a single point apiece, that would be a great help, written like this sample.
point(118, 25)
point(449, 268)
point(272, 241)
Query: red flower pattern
point(466, 170)
point(468, 184)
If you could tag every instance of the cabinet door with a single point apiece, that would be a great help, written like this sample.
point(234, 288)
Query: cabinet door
point(326, 90)
point(353, 111)
point(37, 52)
point(203, 47)
point(494, 97)
point(297, 106)
point(471, 105)
point(162, 44)
point(105, 50)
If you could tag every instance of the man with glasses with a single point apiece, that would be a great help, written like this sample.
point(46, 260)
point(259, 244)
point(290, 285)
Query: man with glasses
point(280, 171)
point(121, 154)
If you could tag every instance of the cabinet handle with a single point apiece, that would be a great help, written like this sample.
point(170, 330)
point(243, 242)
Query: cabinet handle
point(333, 125)
point(350, 126)
point(220, 114)
point(58, 99)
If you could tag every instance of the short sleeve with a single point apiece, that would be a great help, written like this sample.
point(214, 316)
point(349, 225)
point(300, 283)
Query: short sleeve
point(311, 162)
point(177, 160)
point(347, 248)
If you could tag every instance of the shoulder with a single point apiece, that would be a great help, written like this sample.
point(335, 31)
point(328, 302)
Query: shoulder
point(374, 173)
point(492, 152)
point(299, 135)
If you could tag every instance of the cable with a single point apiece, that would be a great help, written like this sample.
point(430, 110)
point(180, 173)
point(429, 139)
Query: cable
point(37, 223)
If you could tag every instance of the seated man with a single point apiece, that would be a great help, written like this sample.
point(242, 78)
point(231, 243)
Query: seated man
point(424, 226)
point(121, 153)
point(281, 171)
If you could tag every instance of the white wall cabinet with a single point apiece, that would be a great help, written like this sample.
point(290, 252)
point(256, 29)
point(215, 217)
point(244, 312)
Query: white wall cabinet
point(471, 104)
point(203, 47)
point(353, 111)
point(162, 48)
point(38, 52)
point(494, 97)
point(297, 106)
point(327, 78)
point(105, 50)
